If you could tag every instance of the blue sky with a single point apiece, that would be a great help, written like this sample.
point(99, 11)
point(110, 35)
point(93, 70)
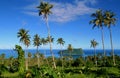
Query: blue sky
point(70, 20)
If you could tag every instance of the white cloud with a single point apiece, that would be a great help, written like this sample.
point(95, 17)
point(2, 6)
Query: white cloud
point(64, 12)
point(24, 23)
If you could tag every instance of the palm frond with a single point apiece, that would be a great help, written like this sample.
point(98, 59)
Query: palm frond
point(94, 26)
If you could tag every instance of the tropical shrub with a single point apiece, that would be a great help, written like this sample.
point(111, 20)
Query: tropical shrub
point(21, 58)
point(14, 67)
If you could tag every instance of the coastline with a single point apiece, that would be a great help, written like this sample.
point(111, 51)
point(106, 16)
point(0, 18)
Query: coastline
point(86, 52)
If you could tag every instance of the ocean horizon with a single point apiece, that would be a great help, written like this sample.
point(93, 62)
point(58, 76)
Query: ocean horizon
point(86, 52)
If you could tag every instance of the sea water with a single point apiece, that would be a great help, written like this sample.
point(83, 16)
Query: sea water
point(86, 52)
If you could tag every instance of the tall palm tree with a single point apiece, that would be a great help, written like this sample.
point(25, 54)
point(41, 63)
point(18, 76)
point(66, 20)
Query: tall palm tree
point(108, 21)
point(45, 10)
point(37, 43)
point(27, 43)
point(61, 42)
point(98, 22)
point(94, 44)
point(44, 42)
point(25, 39)
point(29, 57)
point(70, 49)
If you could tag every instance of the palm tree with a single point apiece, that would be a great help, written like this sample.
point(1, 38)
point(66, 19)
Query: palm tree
point(70, 49)
point(25, 39)
point(22, 35)
point(98, 21)
point(61, 42)
point(108, 21)
point(45, 10)
point(94, 44)
point(27, 43)
point(37, 43)
point(44, 42)
point(52, 39)
point(29, 56)
point(20, 58)
point(35, 58)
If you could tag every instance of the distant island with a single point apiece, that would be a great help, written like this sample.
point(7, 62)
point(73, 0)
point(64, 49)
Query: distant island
point(77, 51)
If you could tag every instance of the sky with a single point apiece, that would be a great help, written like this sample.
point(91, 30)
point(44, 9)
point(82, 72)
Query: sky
point(69, 20)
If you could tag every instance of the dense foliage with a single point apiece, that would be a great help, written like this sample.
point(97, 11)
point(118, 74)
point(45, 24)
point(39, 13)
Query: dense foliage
point(21, 58)
point(97, 66)
point(80, 68)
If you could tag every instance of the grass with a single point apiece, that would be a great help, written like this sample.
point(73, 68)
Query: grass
point(10, 75)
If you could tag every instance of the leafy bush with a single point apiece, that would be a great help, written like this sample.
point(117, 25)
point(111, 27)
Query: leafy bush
point(3, 68)
point(59, 62)
point(14, 67)
point(70, 75)
point(45, 72)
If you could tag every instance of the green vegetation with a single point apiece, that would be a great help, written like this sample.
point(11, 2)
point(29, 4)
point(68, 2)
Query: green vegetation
point(21, 58)
point(79, 68)
point(37, 43)
point(25, 39)
point(61, 42)
point(97, 66)
point(45, 10)
point(94, 44)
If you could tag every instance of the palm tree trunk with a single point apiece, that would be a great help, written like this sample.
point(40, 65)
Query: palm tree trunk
point(61, 56)
point(95, 56)
point(103, 41)
point(38, 61)
point(70, 60)
point(54, 64)
point(29, 58)
point(46, 58)
point(26, 59)
point(112, 46)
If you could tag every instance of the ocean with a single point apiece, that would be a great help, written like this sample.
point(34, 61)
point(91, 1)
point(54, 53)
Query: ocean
point(87, 52)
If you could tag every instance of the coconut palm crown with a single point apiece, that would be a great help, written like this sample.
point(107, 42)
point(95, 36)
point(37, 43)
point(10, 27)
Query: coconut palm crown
point(43, 41)
point(109, 19)
point(93, 43)
point(50, 38)
point(70, 48)
point(98, 19)
point(24, 36)
point(60, 41)
point(36, 40)
point(45, 9)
